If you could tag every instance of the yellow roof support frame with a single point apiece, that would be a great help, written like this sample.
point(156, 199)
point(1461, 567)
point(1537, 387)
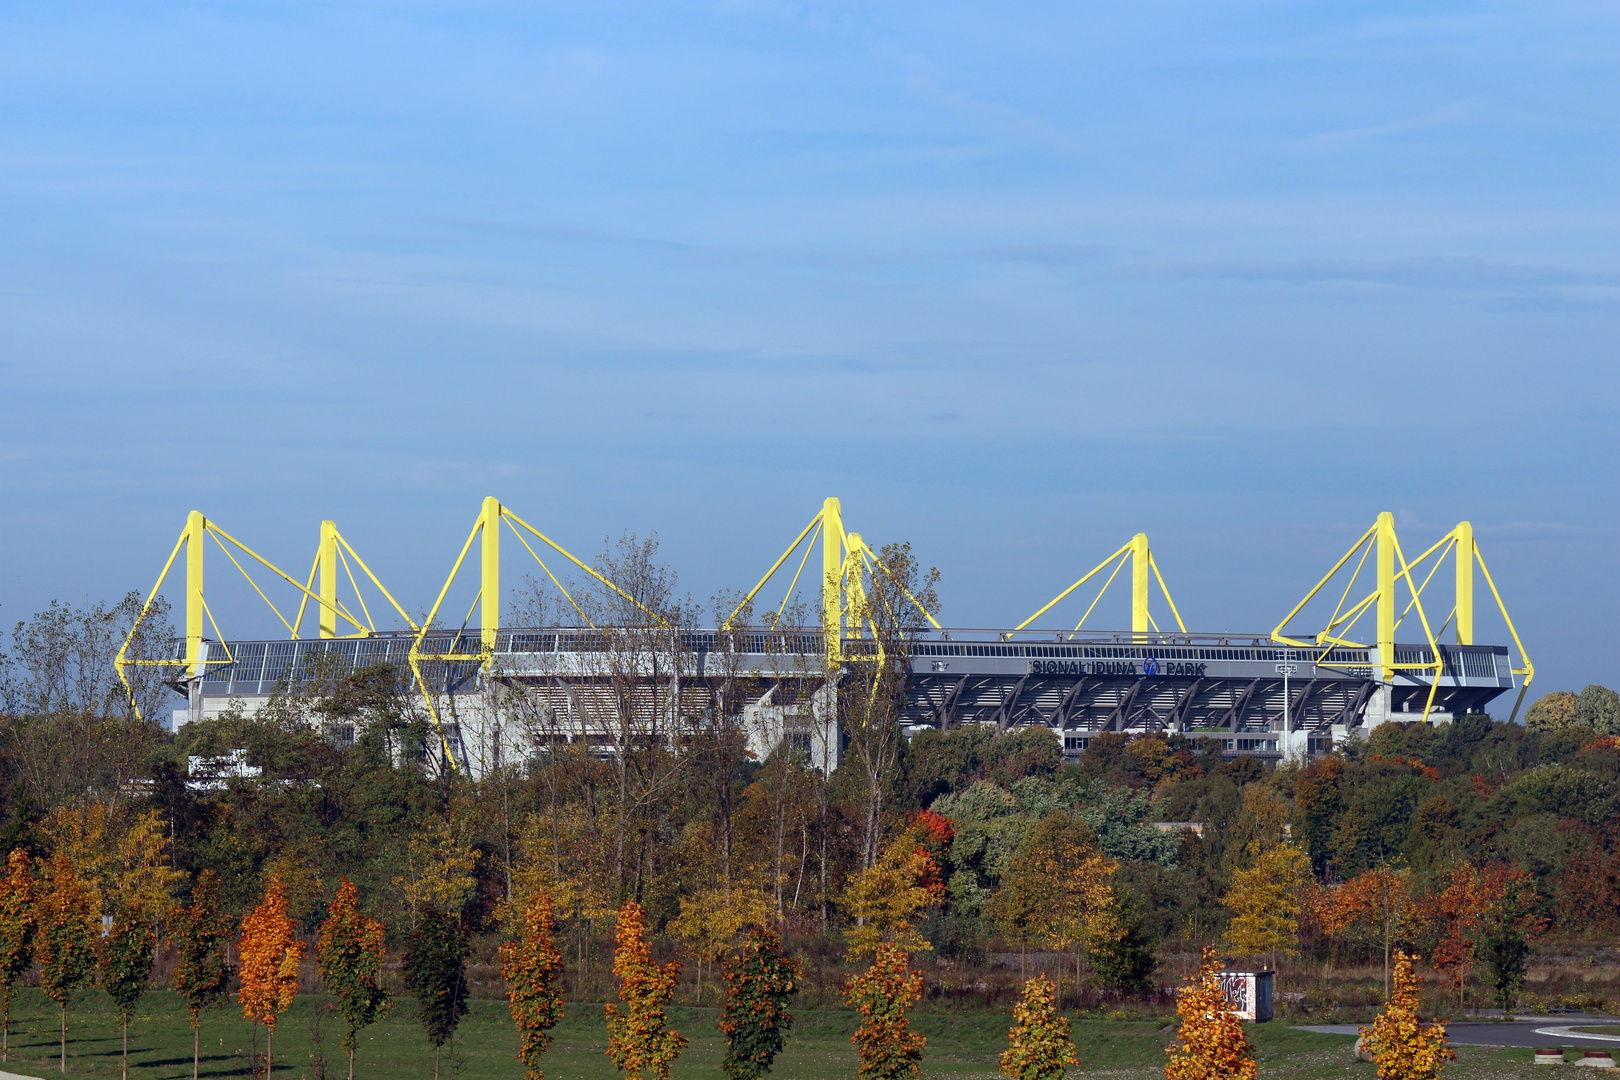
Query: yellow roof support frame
point(1144, 570)
point(487, 530)
point(1382, 545)
point(332, 551)
point(847, 564)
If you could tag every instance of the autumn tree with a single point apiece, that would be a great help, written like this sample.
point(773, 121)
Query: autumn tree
point(882, 899)
point(1263, 821)
point(1510, 923)
point(121, 858)
point(1403, 1047)
point(351, 951)
point(1264, 901)
point(66, 944)
point(1551, 712)
point(126, 966)
point(1376, 906)
point(1212, 1043)
point(1457, 906)
point(883, 994)
point(710, 920)
point(641, 1044)
point(18, 923)
point(568, 855)
point(533, 968)
point(270, 955)
point(1038, 1043)
point(1058, 890)
point(760, 981)
point(1012, 910)
point(439, 865)
point(435, 970)
point(889, 608)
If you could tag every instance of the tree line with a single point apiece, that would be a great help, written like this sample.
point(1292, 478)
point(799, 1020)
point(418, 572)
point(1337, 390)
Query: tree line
point(1464, 843)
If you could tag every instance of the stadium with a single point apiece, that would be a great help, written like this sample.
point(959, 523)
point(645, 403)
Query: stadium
point(497, 694)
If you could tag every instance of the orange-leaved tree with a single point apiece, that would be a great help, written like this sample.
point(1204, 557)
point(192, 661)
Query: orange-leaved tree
point(640, 1041)
point(1401, 1045)
point(18, 922)
point(351, 952)
point(760, 981)
point(533, 968)
point(1511, 922)
point(270, 955)
point(1377, 907)
point(202, 974)
point(1038, 1043)
point(883, 994)
point(67, 940)
point(1458, 907)
point(1212, 1044)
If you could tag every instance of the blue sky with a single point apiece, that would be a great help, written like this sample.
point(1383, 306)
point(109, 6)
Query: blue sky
point(1014, 281)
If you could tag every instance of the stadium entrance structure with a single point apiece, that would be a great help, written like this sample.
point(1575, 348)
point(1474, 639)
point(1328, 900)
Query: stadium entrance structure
point(498, 694)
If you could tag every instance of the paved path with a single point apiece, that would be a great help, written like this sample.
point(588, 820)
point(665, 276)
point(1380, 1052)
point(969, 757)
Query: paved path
point(1528, 1031)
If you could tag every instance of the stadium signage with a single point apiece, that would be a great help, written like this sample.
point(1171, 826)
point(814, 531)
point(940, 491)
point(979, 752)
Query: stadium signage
point(1150, 667)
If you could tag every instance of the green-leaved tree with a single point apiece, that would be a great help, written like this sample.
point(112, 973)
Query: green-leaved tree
point(126, 965)
point(435, 969)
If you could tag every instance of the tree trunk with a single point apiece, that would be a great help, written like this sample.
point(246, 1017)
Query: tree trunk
point(1386, 969)
point(196, 1049)
point(822, 862)
point(125, 1026)
point(618, 823)
point(351, 1063)
point(781, 833)
point(5, 1035)
point(436, 1063)
point(269, 1057)
point(64, 1038)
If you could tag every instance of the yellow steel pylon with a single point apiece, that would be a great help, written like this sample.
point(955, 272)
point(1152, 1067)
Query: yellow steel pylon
point(1391, 569)
point(1144, 571)
point(847, 563)
point(487, 530)
point(332, 550)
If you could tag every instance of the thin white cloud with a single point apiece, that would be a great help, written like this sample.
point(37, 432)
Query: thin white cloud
point(1437, 118)
point(1427, 272)
point(989, 116)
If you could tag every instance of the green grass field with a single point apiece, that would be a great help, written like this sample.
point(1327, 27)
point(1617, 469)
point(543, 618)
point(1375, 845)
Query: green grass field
point(959, 1046)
